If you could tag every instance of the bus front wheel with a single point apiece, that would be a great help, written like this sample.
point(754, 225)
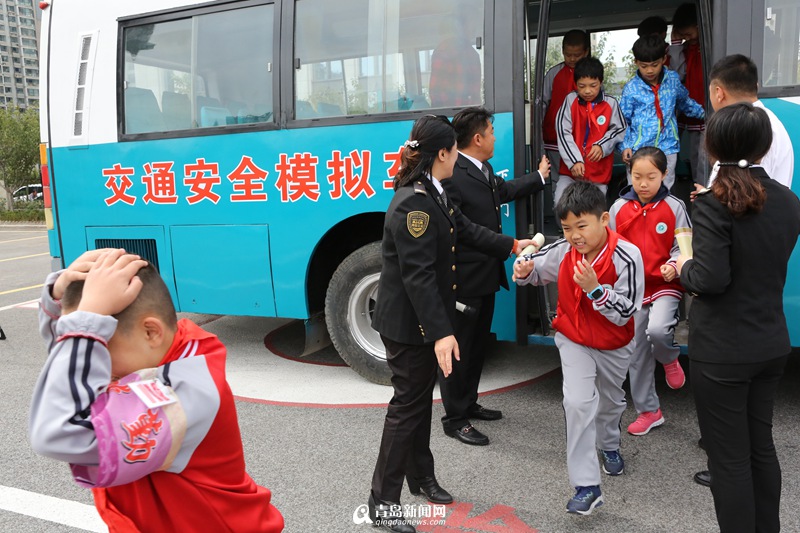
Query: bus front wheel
point(349, 304)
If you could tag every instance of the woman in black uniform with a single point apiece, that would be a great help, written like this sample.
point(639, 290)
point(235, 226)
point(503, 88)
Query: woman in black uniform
point(744, 230)
point(415, 311)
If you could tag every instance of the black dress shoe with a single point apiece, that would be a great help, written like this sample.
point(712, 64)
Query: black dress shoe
point(388, 515)
point(434, 492)
point(468, 435)
point(482, 413)
point(703, 478)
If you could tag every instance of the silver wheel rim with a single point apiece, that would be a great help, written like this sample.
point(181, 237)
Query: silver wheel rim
point(360, 308)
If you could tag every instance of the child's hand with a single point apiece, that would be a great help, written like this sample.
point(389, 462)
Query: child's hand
point(522, 269)
point(544, 167)
point(577, 170)
point(627, 153)
point(595, 154)
point(111, 283)
point(668, 272)
point(585, 276)
point(76, 271)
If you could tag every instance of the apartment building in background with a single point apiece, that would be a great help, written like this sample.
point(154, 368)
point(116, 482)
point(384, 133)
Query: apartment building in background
point(20, 26)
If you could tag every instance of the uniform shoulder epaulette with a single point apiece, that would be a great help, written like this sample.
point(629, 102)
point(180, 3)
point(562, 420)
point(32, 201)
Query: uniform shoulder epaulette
point(419, 188)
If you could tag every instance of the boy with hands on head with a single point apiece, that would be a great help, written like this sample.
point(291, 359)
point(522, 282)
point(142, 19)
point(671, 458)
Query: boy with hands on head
point(600, 285)
point(138, 404)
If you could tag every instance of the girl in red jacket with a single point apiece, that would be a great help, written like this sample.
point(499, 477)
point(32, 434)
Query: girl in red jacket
point(647, 215)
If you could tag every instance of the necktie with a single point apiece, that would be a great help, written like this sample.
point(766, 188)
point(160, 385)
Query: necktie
point(485, 171)
point(443, 197)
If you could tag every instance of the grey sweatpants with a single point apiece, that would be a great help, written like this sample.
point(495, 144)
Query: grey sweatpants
point(653, 341)
point(669, 178)
point(593, 405)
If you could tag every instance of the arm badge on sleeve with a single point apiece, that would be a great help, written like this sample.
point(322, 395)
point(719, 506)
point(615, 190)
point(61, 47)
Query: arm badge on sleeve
point(417, 222)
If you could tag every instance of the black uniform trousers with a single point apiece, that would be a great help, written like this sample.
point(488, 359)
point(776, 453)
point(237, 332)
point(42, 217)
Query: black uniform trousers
point(406, 442)
point(734, 409)
point(460, 389)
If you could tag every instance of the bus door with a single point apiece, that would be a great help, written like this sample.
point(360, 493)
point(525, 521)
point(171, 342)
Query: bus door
point(612, 29)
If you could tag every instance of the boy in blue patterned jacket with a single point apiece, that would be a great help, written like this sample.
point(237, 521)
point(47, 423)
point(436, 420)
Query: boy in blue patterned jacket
point(649, 102)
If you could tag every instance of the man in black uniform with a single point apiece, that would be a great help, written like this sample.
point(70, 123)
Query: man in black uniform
point(479, 193)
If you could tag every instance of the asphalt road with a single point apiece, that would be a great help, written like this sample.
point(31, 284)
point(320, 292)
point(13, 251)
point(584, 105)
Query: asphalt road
point(311, 435)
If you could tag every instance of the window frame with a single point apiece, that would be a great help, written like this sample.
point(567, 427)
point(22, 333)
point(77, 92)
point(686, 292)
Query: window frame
point(288, 97)
point(169, 15)
point(757, 52)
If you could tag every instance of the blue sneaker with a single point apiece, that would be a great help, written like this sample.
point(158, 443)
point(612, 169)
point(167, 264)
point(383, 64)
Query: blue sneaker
point(585, 500)
point(613, 465)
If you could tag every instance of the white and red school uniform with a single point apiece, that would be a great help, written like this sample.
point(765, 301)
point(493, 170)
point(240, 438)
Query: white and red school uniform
point(580, 126)
point(594, 342)
point(161, 448)
point(651, 227)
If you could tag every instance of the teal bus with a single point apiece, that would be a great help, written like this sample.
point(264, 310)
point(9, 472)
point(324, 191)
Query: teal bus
point(247, 147)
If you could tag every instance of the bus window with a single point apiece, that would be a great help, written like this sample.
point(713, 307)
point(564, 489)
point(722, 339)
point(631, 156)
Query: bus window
point(781, 43)
point(360, 57)
point(209, 70)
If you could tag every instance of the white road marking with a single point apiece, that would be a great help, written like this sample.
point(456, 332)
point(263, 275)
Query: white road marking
point(30, 304)
point(66, 512)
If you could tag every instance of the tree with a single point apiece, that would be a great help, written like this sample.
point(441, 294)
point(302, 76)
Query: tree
point(19, 148)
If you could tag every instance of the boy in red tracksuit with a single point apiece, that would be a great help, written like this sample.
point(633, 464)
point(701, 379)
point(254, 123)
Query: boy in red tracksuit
point(558, 83)
point(647, 215)
point(600, 284)
point(136, 401)
point(590, 125)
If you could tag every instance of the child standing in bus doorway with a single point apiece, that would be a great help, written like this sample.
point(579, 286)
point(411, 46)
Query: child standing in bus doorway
point(649, 103)
point(589, 125)
point(558, 83)
point(137, 402)
point(685, 59)
point(646, 214)
point(600, 285)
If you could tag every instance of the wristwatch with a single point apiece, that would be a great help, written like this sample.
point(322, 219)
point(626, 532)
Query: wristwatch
point(596, 293)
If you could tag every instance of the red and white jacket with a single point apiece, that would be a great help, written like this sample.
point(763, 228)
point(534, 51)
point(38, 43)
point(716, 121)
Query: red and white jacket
point(580, 126)
point(558, 83)
point(605, 323)
point(160, 448)
point(651, 227)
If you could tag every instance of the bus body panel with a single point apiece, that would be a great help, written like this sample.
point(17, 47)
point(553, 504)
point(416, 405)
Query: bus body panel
point(788, 111)
point(111, 183)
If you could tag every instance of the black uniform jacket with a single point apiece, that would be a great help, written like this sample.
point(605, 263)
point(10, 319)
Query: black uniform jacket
point(738, 273)
point(480, 200)
point(416, 301)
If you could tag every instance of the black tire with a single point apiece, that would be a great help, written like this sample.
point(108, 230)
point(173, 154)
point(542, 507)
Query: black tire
point(349, 303)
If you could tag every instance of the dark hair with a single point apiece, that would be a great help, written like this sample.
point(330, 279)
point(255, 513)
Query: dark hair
point(588, 67)
point(154, 299)
point(429, 134)
point(576, 38)
point(470, 121)
point(734, 133)
point(655, 155)
point(652, 26)
point(684, 17)
point(737, 74)
point(581, 197)
point(649, 48)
